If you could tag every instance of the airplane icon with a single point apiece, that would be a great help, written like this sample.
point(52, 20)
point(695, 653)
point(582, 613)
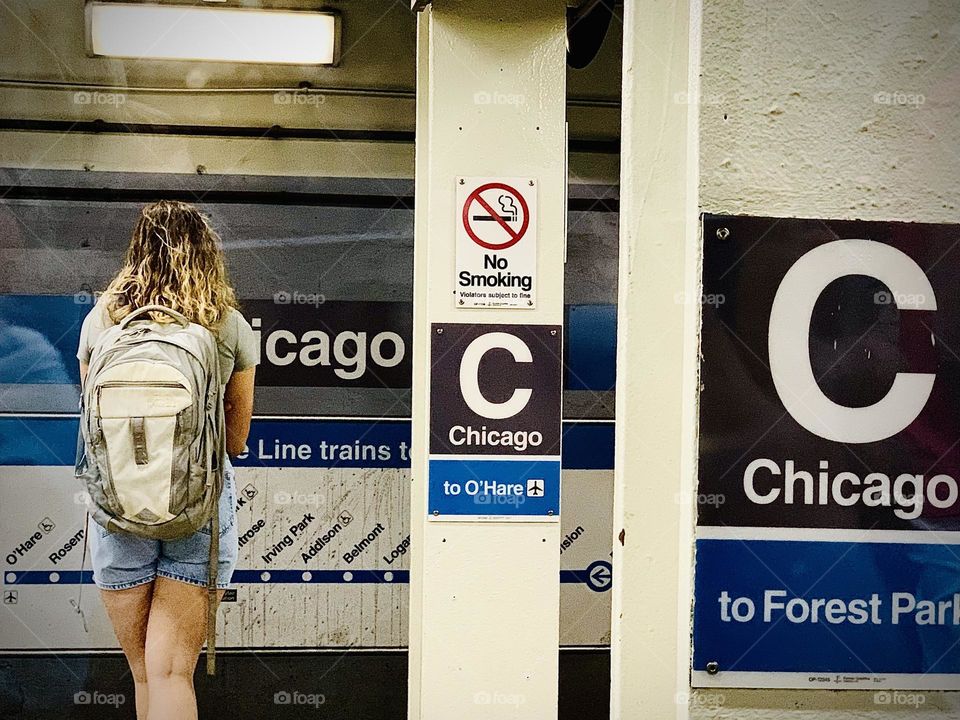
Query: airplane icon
point(535, 487)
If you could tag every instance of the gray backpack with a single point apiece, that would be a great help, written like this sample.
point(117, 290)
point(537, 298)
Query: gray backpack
point(152, 429)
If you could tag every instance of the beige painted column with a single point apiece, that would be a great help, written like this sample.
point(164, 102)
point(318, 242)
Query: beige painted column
point(484, 596)
point(656, 364)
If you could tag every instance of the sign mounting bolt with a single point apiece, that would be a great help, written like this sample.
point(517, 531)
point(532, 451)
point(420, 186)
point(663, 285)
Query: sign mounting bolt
point(713, 667)
point(723, 233)
point(462, 182)
point(436, 512)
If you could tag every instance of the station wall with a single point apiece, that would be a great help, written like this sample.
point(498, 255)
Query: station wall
point(839, 110)
point(308, 173)
point(323, 492)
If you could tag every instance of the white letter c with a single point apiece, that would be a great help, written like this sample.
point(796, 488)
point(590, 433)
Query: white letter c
point(789, 337)
point(469, 372)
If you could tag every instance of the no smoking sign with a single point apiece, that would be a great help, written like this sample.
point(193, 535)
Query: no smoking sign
point(496, 243)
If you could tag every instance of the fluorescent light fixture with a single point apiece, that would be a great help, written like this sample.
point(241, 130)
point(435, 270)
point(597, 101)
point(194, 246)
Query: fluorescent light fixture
point(224, 34)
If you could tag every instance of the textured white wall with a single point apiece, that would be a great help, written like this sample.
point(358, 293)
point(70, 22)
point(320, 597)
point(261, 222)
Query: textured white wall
point(832, 109)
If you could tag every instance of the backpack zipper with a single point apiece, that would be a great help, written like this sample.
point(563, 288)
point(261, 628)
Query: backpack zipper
point(138, 383)
point(142, 383)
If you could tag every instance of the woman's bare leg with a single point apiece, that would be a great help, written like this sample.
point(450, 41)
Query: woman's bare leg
point(129, 611)
point(176, 630)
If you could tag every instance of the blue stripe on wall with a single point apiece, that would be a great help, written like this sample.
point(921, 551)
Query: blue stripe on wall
point(591, 347)
point(39, 336)
point(261, 577)
point(52, 441)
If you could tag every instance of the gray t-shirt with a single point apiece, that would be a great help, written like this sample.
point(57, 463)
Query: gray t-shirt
point(236, 342)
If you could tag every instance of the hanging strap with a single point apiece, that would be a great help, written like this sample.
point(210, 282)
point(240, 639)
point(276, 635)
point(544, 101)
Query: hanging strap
point(212, 601)
point(214, 395)
point(77, 606)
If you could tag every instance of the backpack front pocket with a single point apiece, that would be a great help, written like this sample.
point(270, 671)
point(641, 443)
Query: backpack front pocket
point(139, 425)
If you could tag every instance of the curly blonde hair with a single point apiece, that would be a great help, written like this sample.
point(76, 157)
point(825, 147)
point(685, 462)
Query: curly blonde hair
point(175, 260)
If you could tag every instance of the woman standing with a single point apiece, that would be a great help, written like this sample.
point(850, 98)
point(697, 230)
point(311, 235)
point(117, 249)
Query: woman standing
point(155, 591)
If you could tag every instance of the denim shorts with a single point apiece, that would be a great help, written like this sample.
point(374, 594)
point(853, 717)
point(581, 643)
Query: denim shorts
point(121, 561)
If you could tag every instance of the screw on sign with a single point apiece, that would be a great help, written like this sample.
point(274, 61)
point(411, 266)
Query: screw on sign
point(506, 211)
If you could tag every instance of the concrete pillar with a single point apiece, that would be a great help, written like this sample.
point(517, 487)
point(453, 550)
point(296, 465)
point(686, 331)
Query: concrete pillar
point(484, 594)
point(656, 363)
